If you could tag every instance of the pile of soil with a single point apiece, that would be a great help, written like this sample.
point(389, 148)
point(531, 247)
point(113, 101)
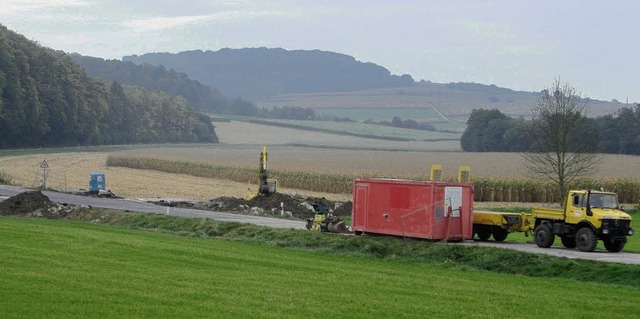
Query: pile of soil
point(277, 204)
point(33, 203)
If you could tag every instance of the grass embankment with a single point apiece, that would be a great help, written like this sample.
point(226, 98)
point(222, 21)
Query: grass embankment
point(66, 269)
point(391, 248)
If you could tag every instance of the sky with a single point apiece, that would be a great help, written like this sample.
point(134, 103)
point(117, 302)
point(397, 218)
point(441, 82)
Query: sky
point(522, 45)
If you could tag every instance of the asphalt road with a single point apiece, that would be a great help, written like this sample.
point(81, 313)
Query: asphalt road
point(144, 207)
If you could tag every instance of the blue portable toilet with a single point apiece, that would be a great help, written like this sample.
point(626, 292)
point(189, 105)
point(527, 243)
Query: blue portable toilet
point(96, 182)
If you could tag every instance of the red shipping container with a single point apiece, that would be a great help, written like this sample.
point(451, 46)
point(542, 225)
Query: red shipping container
point(429, 210)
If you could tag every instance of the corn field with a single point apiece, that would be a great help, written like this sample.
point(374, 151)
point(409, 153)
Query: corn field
point(487, 189)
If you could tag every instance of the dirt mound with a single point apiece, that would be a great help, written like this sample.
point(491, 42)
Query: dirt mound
point(278, 204)
point(33, 203)
point(344, 209)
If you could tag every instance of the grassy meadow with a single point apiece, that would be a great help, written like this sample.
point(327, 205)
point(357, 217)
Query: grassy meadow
point(425, 114)
point(359, 129)
point(63, 269)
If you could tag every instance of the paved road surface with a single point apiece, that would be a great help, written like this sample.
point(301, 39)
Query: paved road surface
point(144, 207)
point(140, 206)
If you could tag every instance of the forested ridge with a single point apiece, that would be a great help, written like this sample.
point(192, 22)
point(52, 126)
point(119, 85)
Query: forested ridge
point(47, 100)
point(253, 73)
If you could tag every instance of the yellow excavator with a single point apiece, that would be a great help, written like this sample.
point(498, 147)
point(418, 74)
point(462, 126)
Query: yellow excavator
point(266, 185)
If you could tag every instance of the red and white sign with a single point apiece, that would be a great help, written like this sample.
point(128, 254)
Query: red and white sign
point(44, 164)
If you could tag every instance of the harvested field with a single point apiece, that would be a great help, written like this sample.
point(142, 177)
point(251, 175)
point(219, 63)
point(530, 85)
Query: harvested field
point(366, 162)
point(70, 172)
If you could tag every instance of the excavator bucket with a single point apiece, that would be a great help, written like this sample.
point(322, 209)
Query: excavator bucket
point(338, 226)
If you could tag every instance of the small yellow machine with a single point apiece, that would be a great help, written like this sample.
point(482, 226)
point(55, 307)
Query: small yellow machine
point(324, 221)
point(266, 185)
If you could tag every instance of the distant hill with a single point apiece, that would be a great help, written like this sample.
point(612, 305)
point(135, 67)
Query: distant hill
point(47, 100)
point(202, 97)
point(255, 73)
point(451, 101)
point(326, 80)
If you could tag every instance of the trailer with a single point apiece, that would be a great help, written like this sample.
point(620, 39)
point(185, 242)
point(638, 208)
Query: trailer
point(501, 224)
point(417, 209)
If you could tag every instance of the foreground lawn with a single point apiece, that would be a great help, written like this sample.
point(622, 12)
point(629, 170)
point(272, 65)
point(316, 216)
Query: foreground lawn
point(68, 269)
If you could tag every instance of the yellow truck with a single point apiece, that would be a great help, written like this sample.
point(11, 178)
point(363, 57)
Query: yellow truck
point(587, 216)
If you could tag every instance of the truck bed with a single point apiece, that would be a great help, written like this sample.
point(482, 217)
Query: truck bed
point(548, 213)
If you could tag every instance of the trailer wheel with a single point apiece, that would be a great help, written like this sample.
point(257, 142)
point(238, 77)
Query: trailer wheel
point(586, 239)
point(499, 234)
point(543, 236)
point(484, 233)
point(613, 246)
point(569, 242)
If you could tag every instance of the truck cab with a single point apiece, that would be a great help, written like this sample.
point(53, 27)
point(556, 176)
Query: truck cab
point(588, 216)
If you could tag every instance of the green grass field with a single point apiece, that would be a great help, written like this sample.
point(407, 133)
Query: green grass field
point(382, 114)
point(63, 269)
point(357, 129)
point(428, 115)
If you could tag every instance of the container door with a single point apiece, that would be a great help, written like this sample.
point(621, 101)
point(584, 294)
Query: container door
point(360, 209)
point(452, 210)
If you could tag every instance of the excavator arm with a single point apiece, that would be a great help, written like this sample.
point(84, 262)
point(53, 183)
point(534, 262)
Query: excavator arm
point(266, 186)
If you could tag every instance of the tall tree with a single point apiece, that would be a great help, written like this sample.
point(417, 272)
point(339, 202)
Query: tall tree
point(563, 146)
point(486, 130)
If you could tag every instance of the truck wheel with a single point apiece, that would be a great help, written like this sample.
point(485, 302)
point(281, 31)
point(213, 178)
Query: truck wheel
point(499, 234)
point(569, 242)
point(586, 240)
point(613, 246)
point(543, 236)
point(484, 233)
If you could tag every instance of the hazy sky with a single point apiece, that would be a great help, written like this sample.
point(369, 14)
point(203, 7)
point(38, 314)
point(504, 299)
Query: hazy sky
point(522, 45)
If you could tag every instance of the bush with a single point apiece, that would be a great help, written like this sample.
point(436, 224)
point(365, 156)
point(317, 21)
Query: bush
point(4, 178)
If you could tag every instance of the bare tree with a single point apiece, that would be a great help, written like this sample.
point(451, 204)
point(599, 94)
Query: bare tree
point(563, 145)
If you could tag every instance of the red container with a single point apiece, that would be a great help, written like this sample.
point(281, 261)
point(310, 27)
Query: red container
point(429, 210)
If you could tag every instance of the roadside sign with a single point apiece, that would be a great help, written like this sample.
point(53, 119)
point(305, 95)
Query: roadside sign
point(44, 164)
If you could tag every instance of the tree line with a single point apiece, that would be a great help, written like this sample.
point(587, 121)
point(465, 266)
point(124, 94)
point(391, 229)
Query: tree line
point(47, 100)
point(493, 131)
